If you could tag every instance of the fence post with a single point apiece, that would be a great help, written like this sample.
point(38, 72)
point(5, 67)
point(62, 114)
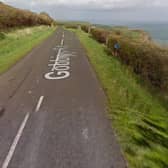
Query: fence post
point(79, 27)
point(107, 39)
point(89, 29)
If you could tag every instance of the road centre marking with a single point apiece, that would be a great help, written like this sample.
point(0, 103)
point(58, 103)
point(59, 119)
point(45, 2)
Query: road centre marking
point(62, 42)
point(39, 103)
point(85, 133)
point(15, 142)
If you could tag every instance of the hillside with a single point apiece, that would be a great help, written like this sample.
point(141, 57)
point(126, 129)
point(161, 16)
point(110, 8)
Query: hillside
point(138, 117)
point(12, 17)
point(138, 51)
point(131, 34)
point(137, 114)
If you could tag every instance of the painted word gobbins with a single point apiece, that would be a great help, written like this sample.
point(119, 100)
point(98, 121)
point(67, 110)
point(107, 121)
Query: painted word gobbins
point(60, 67)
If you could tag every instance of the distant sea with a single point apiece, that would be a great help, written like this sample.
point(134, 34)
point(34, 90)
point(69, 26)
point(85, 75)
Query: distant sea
point(158, 31)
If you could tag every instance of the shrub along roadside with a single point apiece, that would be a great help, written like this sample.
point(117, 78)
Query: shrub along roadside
point(140, 54)
point(71, 26)
point(85, 28)
point(138, 118)
point(150, 62)
point(11, 17)
point(100, 35)
point(17, 43)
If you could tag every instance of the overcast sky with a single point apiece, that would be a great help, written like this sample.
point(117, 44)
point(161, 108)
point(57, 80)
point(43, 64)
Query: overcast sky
point(99, 11)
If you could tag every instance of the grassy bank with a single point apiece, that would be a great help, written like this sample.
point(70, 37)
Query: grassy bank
point(139, 119)
point(15, 44)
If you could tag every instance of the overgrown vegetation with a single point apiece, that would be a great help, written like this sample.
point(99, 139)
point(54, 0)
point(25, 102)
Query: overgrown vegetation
point(15, 44)
point(85, 28)
point(100, 35)
point(12, 17)
point(74, 23)
point(150, 62)
point(71, 26)
point(138, 51)
point(140, 120)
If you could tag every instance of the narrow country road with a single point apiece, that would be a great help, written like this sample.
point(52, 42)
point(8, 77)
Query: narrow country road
point(55, 112)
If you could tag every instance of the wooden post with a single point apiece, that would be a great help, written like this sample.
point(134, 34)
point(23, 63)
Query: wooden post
point(89, 29)
point(79, 27)
point(107, 39)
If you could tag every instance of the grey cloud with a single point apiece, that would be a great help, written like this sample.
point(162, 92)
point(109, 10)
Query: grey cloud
point(100, 11)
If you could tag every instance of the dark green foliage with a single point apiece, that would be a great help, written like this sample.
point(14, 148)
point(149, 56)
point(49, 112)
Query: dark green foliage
point(85, 28)
point(2, 36)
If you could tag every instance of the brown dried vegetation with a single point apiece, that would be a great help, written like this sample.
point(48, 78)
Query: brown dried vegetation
point(12, 17)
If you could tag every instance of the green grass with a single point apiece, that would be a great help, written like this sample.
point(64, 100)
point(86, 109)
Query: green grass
point(139, 119)
point(18, 43)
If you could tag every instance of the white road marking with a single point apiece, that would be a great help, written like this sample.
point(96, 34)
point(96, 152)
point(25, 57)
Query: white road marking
point(15, 142)
point(39, 104)
point(29, 92)
point(37, 81)
point(58, 46)
point(85, 134)
point(60, 67)
point(62, 42)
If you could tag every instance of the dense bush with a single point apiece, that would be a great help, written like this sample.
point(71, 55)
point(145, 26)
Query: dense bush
point(148, 61)
point(2, 36)
point(11, 17)
point(71, 26)
point(137, 51)
point(100, 35)
point(85, 28)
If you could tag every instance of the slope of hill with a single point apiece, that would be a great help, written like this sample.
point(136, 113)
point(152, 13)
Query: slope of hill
point(138, 116)
point(12, 17)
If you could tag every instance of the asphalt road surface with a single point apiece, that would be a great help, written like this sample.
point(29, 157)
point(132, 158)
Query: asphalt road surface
point(53, 112)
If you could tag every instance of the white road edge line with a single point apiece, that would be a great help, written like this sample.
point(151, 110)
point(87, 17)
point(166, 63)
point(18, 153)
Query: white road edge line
point(39, 104)
point(15, 142)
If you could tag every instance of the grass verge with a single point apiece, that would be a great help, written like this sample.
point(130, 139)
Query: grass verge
point(139, 119)
point(16, 44)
